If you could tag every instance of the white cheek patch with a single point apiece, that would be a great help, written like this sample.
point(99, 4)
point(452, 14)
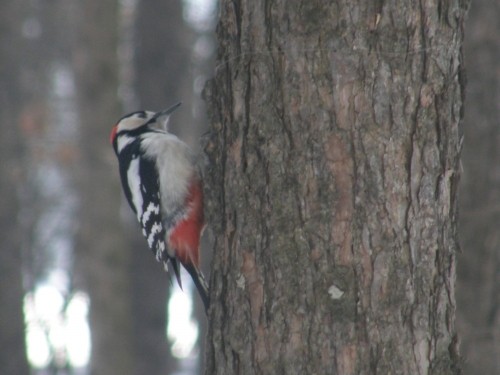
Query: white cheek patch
point(123, 141)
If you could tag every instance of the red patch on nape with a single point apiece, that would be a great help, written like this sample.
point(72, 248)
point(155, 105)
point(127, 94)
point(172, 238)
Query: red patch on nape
point(185, 237)
point(112, 136)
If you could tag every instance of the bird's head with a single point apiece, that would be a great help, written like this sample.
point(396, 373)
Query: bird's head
point(138, 122)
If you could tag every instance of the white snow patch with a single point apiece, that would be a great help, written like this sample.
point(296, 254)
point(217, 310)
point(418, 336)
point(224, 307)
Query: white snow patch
point(240, 282)
point(335, 292)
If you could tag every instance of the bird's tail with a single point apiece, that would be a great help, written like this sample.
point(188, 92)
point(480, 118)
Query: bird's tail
point(177, 270)
point(200, 283)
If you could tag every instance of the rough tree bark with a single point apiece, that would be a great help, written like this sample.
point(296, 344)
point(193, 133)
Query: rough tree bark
point(334, 151)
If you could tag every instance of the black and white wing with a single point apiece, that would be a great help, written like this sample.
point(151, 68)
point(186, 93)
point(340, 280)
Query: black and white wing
point(141, 186)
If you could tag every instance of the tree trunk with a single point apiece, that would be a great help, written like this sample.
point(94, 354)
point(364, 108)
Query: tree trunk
point(103, 253)
point(13, 354)
point(479, 265)
point(13, 360)
point(335, 151)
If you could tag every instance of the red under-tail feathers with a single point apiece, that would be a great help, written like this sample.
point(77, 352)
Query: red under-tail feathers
point(185, 238)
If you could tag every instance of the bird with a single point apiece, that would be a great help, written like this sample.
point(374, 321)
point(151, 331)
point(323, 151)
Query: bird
point(162, 184)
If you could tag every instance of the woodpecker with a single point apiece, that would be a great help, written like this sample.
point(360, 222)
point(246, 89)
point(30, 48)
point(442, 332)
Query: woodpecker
point(163, 187)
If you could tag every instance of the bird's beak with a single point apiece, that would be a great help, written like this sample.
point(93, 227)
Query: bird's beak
point(166, 112)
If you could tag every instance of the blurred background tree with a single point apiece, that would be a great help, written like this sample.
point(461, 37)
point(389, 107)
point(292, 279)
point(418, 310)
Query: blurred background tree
point(12, 98)
point(103, 254)
point(478, 289)
point(73, 253)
